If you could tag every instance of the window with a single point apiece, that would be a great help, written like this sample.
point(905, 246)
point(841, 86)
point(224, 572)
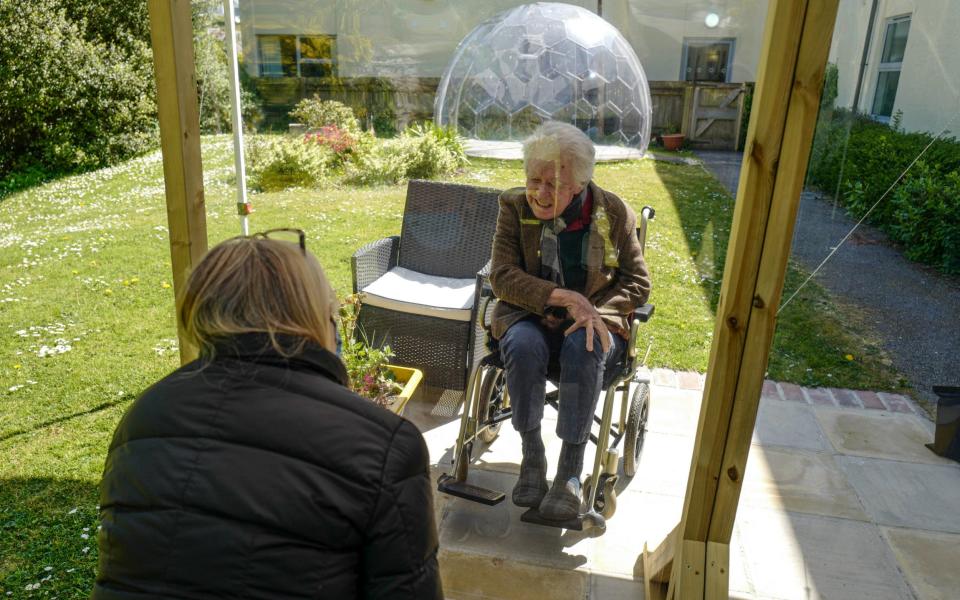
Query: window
point(297, 55)
point(707, 60)
point(891, 61)
point(316, 56)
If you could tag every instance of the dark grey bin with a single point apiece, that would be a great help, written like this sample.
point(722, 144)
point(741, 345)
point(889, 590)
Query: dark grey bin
point(946, 439)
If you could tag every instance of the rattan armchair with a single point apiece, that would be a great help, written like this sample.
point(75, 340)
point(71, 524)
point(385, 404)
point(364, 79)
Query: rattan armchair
point(420, 290)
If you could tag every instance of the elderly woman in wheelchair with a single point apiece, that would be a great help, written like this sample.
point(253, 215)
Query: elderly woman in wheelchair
point(568, 271)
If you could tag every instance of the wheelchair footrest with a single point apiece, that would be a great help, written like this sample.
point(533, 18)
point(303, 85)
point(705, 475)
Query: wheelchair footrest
point(533, 516)
point(461, 489)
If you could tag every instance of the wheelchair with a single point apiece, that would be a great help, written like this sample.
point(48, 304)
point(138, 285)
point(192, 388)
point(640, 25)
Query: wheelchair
point(487, 406)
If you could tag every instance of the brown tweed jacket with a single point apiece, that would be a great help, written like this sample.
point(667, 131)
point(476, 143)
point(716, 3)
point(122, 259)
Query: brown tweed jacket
point(515, 264)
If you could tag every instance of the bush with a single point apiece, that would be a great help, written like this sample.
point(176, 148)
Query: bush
point(421, 152)
point(316, 113)
point(287, 162)
point(334, 138)
point(384, 163)
point(212, 70)
point(439, 151)
point(926, 217)
point(69, 98)
point(862, 158)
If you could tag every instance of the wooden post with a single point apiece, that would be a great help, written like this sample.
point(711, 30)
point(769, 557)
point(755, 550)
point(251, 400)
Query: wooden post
point(796, 44)
point(171, 31)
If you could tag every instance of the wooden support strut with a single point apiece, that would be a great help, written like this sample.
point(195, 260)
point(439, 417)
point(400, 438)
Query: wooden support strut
point(171, 32)
point(796, 43)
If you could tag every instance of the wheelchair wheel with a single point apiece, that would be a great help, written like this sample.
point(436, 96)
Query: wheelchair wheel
point(491, 398)
point(636, 428)
point(606, 501)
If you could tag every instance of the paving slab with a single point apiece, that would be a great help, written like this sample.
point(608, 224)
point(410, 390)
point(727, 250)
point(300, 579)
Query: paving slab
point(929, 561)
point(833, 498)
point(674, 411)
point(799, 481)
point(905, 494)
point(664, 464)
point(468, 576)
point(646, 518)
point(605, 587)
point(788, 424)
point(807, 557)
point(877, 434)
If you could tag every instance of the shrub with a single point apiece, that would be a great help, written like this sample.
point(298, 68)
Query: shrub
point(926, 217)
point(421, 152)
point(212, 70)
point(316, 113)
point(862, 159)
point(334, 138)
point(287, 162)
point(72, 96)
point(386, 162)
point(439, 151)
point(385, 123)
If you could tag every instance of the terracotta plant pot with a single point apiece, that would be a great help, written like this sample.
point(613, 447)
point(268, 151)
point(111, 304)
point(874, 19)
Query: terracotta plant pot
point(410, 378)
point(672, 141)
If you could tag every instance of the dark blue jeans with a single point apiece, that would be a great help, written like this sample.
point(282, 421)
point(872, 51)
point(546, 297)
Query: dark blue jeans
point(529, 349)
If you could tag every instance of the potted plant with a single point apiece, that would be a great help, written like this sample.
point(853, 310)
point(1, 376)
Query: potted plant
point(671, 138)
point(371, 374)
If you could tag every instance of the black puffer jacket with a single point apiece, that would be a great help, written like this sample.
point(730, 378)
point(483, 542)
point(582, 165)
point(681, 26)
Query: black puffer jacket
point(260, 477)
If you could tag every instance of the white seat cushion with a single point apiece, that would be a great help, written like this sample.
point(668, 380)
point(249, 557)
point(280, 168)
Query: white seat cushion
point(410, 292)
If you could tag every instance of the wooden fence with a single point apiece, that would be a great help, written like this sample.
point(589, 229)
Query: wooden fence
point(708, 114)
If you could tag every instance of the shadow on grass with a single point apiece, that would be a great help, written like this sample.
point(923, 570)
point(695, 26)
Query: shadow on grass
point(705, 214)
point(63, 418)
point(20, 181)
point(48, 531)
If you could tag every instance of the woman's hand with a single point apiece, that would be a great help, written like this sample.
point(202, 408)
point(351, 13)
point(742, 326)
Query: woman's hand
point(583, 314)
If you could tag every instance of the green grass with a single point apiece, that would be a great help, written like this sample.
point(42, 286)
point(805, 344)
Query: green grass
point(84, 263)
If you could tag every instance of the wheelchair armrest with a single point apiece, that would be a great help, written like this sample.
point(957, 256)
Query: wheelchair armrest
point(371, 261)
point(643, 313)
point(484, 290)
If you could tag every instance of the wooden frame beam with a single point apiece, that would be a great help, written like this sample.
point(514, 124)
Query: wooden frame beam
point(787, 97)
point(171, 33)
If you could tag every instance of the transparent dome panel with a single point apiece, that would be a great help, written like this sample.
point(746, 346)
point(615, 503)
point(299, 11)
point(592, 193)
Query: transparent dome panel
point(546, 61)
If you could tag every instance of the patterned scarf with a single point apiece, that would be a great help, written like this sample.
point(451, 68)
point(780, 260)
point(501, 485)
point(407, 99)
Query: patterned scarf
point(550, 267)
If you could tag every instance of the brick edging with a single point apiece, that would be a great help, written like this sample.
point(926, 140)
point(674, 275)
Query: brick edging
point(791, 392)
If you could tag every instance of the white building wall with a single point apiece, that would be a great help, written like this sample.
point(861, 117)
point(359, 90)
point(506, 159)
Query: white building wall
point(418, 37)
point(657, 28)
point(929, 90)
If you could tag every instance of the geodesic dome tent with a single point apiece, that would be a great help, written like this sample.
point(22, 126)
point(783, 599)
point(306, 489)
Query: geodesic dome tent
point(545, 61)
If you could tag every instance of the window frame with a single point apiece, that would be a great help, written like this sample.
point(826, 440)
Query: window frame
point(298, 55)
point(889, 67)
point(685, 54)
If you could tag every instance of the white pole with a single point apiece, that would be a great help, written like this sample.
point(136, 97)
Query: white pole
point(244, 208)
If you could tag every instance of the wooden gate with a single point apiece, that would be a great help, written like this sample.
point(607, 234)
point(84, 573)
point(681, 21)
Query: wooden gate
point(712, 114)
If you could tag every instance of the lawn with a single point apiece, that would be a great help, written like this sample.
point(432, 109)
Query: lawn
point(86, 320)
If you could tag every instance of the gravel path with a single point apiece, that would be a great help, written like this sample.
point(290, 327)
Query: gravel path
point(914, 310)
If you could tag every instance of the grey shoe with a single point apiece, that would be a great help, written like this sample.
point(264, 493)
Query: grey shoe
point(562, 502)
point(532, 485)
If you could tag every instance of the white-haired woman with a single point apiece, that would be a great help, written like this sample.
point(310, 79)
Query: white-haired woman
point(254, 472)
point(567, 269)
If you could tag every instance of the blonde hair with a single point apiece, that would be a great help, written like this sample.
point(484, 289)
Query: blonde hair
point(556, 141)
point(257, 285)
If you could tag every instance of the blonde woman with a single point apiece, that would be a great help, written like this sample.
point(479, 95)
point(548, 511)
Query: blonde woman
point(253, 472)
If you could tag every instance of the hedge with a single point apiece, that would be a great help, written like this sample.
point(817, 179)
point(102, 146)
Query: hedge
point(859, 159)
